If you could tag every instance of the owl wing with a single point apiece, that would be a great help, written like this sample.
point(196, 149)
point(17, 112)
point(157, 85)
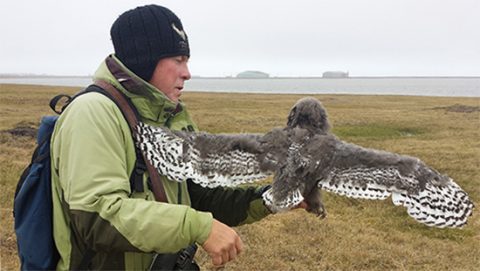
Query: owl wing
point(430, 198)
point(207, 159)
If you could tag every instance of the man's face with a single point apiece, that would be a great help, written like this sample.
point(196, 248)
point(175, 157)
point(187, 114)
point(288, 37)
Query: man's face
point(170, 75)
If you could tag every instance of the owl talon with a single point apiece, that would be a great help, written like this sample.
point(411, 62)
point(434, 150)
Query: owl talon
point(319, 212)
point(322, 215)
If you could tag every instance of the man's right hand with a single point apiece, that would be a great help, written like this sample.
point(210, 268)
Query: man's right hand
point(223, 244)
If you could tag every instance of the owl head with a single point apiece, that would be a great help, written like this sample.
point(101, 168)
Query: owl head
point(308, 113)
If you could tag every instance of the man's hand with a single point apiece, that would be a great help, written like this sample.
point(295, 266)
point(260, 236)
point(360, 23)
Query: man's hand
point(223, 244)
point(301, 205)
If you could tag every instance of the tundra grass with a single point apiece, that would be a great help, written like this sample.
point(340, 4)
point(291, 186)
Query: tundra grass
point(357, 234)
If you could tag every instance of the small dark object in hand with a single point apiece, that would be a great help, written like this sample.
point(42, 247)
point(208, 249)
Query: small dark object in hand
point(182, 260)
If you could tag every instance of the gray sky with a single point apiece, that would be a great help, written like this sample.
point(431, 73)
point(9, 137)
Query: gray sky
point(283, 38)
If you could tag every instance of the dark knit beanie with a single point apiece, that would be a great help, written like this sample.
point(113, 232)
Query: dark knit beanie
point(144, 35)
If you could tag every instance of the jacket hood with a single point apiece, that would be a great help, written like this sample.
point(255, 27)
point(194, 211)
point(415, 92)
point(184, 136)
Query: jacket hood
point(153, 106)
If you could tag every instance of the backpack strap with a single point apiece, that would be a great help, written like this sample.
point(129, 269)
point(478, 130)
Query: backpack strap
point(131, 116)
point(54, 101)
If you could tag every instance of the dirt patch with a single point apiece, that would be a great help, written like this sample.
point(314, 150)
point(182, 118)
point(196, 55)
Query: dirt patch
point(460, 108)
point(24, 128)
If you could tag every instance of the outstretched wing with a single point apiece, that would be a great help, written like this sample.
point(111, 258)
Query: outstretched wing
point(207, 159)
point(430, 198)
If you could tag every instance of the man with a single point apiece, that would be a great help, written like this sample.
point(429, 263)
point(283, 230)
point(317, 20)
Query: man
point(93, 156)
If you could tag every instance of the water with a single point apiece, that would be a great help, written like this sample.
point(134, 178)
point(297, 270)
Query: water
point(418, 86)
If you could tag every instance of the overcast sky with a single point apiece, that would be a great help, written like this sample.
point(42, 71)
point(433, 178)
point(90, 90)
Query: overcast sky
point(282, 38)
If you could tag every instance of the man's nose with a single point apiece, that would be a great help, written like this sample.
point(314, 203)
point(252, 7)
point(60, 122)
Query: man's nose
point(186, 73)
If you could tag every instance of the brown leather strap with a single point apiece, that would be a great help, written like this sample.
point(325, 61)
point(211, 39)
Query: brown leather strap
point(125, 107)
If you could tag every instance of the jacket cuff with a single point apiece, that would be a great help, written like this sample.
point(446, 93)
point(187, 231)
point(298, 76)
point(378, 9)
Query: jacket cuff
point(257, 209)
point(201, 225)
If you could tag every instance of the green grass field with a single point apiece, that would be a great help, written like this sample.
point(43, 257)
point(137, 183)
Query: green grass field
point(357, 234)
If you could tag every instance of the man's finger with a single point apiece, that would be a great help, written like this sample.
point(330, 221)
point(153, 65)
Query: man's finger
point(217, 260)
point(302, 205)
point(239, 245)
point(225, 257)
point(232, 254)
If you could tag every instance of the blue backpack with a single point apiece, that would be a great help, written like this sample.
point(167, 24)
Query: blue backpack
point(33, 206)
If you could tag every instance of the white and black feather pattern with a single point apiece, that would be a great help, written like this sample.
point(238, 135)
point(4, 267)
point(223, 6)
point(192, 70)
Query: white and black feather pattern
point(207, 160)
point(292, 199)
point(303, 157)
point(439, 206)
point(430, 197)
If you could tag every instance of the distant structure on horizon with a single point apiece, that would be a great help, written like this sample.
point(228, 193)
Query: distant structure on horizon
point(335, 74)
point(253, 74)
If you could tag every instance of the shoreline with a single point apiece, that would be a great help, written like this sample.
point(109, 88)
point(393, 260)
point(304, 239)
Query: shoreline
point(253, 92)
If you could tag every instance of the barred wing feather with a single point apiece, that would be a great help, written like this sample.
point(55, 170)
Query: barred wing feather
point(206, 159)
point(430, 198)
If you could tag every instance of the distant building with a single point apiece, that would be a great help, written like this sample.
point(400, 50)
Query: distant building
point(253, 74)
point(335, 74)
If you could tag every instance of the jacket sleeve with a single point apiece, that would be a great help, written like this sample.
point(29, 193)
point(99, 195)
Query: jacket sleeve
point(232, 206)
point(94, 155)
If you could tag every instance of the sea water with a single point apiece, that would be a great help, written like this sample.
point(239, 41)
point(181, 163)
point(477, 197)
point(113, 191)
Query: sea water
point(418, 86)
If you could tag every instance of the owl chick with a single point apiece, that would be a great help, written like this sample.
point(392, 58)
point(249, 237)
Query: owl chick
point(303, 157)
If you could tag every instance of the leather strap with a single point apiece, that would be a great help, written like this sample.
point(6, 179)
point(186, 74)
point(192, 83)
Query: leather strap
point(132, 119)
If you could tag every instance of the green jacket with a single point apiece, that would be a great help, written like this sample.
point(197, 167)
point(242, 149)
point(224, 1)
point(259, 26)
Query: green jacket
point(93, 156)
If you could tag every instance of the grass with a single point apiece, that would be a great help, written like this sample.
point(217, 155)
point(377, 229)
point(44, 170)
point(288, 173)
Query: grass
point(357, 234)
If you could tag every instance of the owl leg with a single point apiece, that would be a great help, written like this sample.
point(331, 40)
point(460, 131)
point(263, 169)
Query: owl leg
point(315, 204)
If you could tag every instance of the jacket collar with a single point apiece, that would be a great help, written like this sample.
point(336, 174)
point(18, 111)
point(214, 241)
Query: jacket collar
point(153, 106)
